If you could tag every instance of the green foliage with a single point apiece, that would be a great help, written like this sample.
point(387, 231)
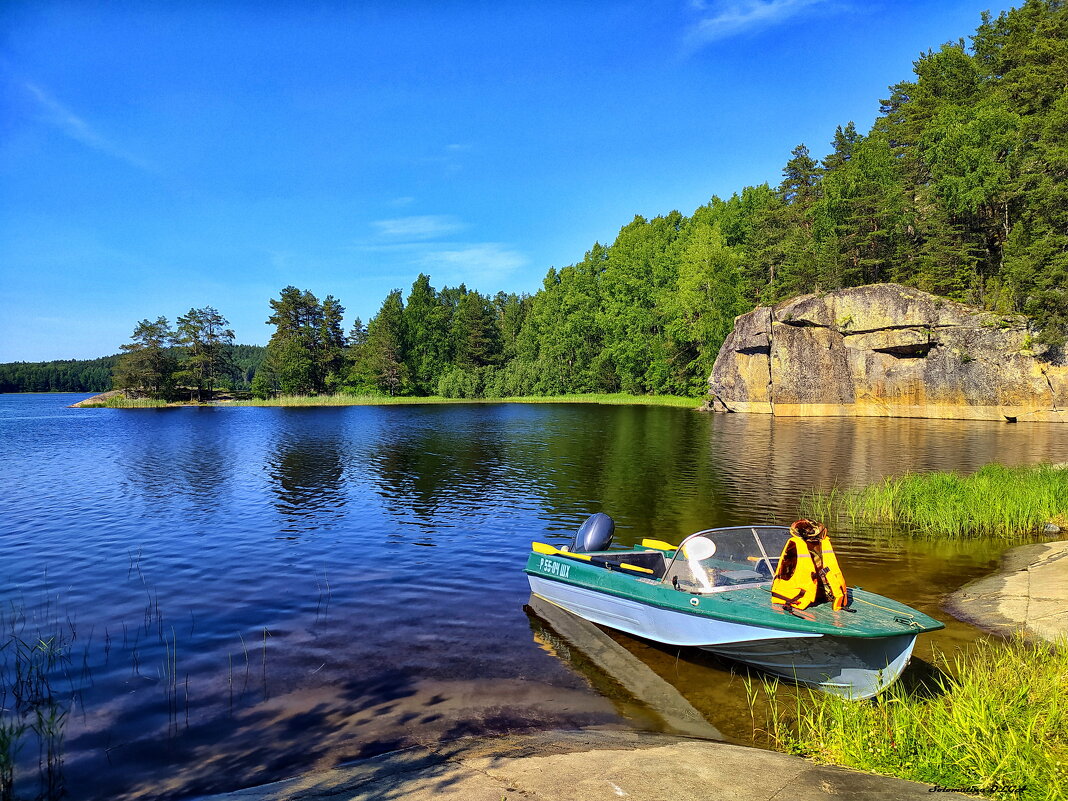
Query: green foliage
point(459, 382)
point(71, 375)
point(261, 386)
point(205, 344)
point(198, 356)
point(372, 399)
point(994, 719)
point(426, 319)
point(247, 360)
point(306, 352)
point(148, 363)
point(382, 361)
point(995, 501)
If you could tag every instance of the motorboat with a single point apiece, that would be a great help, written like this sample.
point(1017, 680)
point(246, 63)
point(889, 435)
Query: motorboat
point(714, 591)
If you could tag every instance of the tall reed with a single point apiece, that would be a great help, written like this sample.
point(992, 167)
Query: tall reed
point(31, 706)
point(120, 402)
point(995, 720)
point(994, 501)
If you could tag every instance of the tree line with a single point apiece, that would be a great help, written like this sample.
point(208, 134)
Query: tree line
point(960, 188)
point(194, 358)
point(96, 375)
point(64, 375)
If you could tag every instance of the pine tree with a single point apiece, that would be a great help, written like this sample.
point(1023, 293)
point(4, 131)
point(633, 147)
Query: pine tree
point(306, 351)
point(474, 333)
point(205, 344)
point(148, 364)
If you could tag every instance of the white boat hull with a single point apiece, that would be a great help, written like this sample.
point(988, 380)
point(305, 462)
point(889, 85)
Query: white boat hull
point(851, 667)
point(652, 622)
point(848, 666)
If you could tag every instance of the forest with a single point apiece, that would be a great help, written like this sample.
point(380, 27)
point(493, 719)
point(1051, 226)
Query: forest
point(959, 188)
point(68, 375)
point(96, 375)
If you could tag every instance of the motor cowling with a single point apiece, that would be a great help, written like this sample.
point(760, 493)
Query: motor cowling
point(595, 534)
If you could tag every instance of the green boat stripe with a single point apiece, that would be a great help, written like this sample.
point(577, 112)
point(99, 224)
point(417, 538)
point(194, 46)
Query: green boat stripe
point(866, 623)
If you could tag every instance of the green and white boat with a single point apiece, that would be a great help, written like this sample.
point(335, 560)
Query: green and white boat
point(713, 591)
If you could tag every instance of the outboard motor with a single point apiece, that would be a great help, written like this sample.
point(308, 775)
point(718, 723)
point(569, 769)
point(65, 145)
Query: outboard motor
point(595, 534)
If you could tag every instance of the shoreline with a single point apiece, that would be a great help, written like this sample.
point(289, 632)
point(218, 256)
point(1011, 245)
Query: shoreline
point(108, 400)
point(585, 765)
point(1029, 591)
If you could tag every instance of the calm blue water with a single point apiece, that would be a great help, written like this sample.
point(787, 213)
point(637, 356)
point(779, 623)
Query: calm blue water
point(244, 594)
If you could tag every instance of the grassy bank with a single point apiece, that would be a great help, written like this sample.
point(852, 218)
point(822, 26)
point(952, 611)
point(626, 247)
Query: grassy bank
point(120, 402)
point(995, 720)
point(995, 501)
point(619, 399)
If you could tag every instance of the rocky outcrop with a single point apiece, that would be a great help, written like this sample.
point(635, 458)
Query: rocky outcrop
point(885, 350)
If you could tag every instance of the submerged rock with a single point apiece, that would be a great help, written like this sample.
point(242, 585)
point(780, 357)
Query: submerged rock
point(886, 350)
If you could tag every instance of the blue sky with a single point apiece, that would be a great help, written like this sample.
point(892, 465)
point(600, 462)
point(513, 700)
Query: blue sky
point(159, 156)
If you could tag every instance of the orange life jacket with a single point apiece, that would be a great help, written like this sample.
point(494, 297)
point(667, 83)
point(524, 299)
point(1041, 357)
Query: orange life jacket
point(799, 583)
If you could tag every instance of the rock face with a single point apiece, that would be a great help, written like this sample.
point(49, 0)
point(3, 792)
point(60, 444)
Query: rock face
point(885, 350)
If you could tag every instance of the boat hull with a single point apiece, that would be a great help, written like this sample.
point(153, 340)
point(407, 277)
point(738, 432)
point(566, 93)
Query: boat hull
point(851, 667)
point(668, 626)
point(846, 666)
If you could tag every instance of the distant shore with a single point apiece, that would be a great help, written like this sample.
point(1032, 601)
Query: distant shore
point(116, 399)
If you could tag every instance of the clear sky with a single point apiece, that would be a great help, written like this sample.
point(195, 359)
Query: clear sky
point(156, 156)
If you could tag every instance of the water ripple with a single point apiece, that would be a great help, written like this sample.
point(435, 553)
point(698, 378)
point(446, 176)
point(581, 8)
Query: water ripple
point(366, 561)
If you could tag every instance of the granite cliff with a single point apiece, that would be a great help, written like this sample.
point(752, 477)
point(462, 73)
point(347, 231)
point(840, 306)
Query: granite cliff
point(886, 350)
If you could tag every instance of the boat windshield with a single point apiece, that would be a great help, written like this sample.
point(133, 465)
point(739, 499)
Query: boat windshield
point(726, 558)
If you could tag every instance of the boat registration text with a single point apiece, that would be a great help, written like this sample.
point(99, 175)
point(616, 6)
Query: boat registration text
point(554, 568)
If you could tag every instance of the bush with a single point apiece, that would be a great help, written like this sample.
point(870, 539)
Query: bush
point(457, 382)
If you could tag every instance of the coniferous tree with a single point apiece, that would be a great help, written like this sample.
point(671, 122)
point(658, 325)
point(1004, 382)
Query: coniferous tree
point(205, 357)
point(331, 344)
point(148, 363)
point(474, 333)
point(305, 354)
point(385, 347)
point(426, 322)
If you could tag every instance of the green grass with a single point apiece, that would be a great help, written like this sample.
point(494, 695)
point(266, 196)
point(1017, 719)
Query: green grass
point(996, 501)
point(619, 399)
point(126, 403)
point(995, 719)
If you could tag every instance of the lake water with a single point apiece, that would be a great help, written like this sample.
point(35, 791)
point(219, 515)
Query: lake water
point(244, 594)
